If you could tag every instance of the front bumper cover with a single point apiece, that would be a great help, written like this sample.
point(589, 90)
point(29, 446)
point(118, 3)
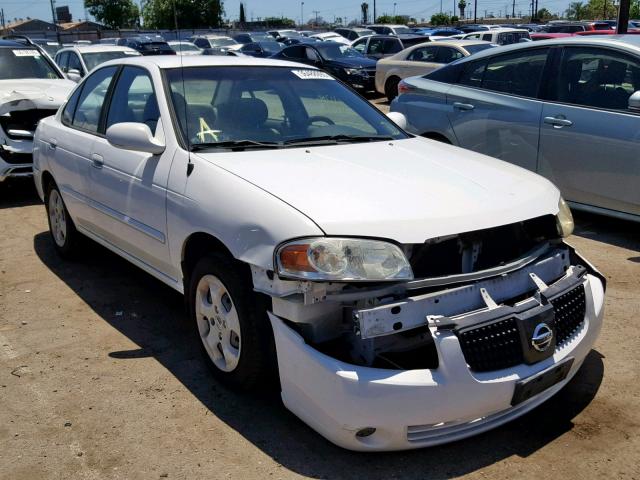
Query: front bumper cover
point(418, 408)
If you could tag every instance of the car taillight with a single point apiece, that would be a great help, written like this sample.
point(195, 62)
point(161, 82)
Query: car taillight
point(404, 88)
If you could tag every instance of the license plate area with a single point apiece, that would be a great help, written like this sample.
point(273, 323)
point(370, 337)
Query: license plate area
point(538, 383)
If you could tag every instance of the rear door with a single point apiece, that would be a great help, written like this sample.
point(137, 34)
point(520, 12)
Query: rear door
point(129, 187)
point(589, 139)
point(421, 61)
point(494, 108)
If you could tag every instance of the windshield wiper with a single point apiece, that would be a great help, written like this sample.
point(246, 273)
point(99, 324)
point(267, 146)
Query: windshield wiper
point(234, 145)
point(332, 139)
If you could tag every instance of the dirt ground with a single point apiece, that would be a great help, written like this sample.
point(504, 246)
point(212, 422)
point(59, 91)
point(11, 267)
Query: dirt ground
point(100, 378)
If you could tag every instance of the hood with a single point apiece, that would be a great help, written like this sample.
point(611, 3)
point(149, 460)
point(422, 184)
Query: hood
point(353, 62)
point(406, 190)
point(24, 94)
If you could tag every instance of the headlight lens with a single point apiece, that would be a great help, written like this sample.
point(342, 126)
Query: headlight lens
point(342, 259)
point(352, 71)
point(564, 219)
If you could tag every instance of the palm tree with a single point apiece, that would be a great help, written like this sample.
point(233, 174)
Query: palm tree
point(576, 11)
point(462, 5)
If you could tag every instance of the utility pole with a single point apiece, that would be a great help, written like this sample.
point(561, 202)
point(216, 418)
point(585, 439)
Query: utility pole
point(2, 17)
point(53, 16)
point(394, 8)
point(374, 11)
point(301, 14)
point(440, 6)
point(604, 11)
point(513, 9)
point(316, 12)
point(623, 16)
point(475, 11)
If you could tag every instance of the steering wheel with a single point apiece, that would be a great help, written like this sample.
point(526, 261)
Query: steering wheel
point(320, 118)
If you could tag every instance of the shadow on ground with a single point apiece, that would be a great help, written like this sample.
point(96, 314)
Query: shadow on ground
point(18, 193)
point(621, 233)
point(153, 318)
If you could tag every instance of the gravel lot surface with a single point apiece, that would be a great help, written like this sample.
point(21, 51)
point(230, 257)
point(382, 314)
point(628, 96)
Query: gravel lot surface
point(100, 378)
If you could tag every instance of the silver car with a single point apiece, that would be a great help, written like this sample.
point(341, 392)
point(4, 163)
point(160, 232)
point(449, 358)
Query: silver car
point(568, 109)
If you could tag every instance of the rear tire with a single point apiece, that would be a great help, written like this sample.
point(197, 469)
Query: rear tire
point(231, 323)
point(66, 239)
point(391, 88)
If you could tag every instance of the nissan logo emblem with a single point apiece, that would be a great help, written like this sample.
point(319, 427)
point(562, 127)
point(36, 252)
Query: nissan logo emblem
point(542, 337)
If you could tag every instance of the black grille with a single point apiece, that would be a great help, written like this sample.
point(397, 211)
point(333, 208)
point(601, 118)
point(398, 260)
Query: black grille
point(24, 120)
point(15, 158)
point(570, 309)
point(497, 345)
point(493, 346)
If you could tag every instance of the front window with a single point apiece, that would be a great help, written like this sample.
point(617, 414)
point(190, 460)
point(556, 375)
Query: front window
point(19, 62)
point(338, 51)
point(270, 107)
point(92, 60)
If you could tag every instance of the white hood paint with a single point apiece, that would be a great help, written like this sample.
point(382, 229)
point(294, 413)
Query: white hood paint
point(408, 190)
point(24, 94)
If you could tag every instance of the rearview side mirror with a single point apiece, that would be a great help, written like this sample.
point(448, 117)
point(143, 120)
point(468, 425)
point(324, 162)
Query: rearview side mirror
point(398, 118)
point(74, 75)
point(634, 101)
point(134, 136)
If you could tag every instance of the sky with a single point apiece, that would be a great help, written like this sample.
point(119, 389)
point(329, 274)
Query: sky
point(328, 9)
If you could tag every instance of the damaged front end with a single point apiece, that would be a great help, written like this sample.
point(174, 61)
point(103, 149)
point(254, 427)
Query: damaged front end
point(20, 112)
point(497, 321)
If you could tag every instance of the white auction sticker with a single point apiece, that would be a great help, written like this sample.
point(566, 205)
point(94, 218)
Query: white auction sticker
point(312, 75)
point(26, 53)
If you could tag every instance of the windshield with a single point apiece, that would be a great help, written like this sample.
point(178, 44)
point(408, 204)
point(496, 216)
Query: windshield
point(222, 42)
point(270, 46)
point(25, 63)
point(478, 48)
point(364, 33)
point(399, 30)
point(184, 47)
point(159, 46)
point(96, 58)
point(271, 106)
point(338, 51)
point(51, 48)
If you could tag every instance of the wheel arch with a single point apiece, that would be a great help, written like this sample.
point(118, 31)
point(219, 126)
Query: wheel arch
point(195, 247)
point(45, 179)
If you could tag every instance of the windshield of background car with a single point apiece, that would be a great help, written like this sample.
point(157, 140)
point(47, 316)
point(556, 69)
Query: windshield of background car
point(94, 59)
point(399, 30)
point(274, 47)
point(364, 33)
point(478, 47)
point(184, 47)
point(338, 52)
point(275, 105)
point(51, 48)
point(19, 62)
point(160, 46)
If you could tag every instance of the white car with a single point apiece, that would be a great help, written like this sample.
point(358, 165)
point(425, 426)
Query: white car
point(185, 48)
point(79, 60)
point(499, 36)
point(331, 37)
point(31, 87)
point(420, 60)
point(406, 292)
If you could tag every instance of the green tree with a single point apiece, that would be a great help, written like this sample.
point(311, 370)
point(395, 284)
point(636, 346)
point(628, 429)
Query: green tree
point(114, 13)
point(634, 11)
point(242, 15)
point(279, 22)
point(596, 9)
point(188, 13)
point(462, 4)
point(440, 19)
point(545, 15)
point(576, 11)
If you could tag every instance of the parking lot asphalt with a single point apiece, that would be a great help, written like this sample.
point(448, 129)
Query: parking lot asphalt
point(100, 377)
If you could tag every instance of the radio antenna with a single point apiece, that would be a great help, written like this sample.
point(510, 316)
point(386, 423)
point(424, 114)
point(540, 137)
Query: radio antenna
point(184, 90)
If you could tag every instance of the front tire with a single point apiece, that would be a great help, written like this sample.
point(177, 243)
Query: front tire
point(231, 323)
point(61, 227)
point(391, 88)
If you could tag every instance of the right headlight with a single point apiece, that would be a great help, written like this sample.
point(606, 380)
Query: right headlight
point(342, 259)
point(564, 219)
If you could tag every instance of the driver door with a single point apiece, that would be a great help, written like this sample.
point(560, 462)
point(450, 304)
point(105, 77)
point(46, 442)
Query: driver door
point(129, 187)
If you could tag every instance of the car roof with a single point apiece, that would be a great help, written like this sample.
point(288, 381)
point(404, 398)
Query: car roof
point(460, 43)
point(177, 61)
point(97, 48)
point(13, 43)
point(632, 41)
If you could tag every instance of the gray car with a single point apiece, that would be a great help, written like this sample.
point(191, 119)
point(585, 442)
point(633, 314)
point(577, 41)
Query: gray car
point(568, 109)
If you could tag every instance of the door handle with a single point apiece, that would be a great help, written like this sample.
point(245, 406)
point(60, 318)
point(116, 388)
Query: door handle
point(97, 161)
point(558, 122)
point(463, 106)
point(52, 144)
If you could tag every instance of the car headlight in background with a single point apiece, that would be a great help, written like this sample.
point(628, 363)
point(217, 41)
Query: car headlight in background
point(564, 219)
point(342, 259)
point(353, 71)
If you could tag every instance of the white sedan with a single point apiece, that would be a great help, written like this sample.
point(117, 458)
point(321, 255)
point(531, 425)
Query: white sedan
point(420, 60)
point(405, 292)
point(331, 37)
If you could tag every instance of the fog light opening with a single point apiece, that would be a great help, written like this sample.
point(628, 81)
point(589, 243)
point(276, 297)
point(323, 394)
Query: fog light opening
point(365, 432)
